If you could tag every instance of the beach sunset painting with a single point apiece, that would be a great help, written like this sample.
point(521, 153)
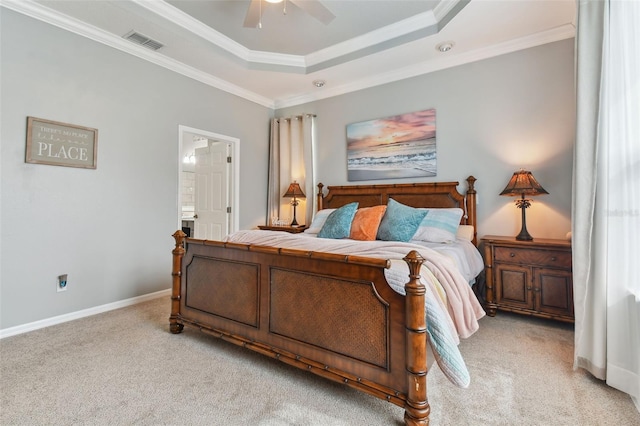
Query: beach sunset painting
point(402, 146)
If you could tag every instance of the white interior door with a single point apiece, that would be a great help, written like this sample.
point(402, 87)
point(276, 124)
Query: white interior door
point(212, 183)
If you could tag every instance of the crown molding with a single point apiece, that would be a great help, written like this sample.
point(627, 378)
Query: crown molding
point(337, 53)
point(50, 16)
point(443, 8)
point(198, 28)
point(556, 34)
point(42, 13)
point(194, 26)
point(373, 38)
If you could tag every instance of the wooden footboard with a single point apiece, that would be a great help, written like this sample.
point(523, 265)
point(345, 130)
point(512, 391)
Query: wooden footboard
point(333, 315)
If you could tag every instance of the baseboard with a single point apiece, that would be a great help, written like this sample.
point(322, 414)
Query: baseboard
point(36, 325)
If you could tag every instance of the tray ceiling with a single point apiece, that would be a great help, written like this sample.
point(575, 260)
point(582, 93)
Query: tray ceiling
point(368, 42)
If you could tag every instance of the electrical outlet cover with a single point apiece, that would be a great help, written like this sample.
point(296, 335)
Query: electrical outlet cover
point(61, 282)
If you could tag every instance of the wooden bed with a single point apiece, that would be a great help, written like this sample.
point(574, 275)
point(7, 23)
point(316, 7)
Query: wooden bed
point(333, 315)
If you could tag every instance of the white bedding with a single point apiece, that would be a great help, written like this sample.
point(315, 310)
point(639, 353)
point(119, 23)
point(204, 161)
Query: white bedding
point(463, 253)
point(449, 318)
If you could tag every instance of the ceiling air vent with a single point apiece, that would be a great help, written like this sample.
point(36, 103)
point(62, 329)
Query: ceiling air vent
point(143, 40)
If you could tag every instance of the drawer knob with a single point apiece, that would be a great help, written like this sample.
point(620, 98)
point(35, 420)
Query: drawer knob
point(512, 254)
point(554, 258)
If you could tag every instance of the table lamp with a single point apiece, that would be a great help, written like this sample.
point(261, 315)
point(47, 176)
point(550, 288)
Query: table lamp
point(294, 192)
point(523, 183)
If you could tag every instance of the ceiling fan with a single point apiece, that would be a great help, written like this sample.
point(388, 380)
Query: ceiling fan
point(314, 8)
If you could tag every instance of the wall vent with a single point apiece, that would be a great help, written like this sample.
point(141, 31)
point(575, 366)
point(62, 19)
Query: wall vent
point(143, 40)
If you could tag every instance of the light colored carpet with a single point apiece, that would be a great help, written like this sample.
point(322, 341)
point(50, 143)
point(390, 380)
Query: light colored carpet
point(125, 368)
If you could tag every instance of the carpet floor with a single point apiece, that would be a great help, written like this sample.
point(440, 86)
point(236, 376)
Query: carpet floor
point(124, 368)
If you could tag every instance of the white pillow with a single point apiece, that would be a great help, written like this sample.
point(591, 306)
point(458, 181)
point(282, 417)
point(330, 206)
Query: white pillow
point(465, 232)
point(318, 221)
point(439, 225)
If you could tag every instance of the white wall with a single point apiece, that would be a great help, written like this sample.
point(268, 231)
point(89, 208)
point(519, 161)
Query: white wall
point(110, 228)
point(493, 117)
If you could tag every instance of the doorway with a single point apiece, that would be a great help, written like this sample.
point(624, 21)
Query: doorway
point(208, 183)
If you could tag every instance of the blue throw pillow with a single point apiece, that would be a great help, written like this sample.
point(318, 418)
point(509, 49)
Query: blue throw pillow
point(338, 224)
point(399, 222)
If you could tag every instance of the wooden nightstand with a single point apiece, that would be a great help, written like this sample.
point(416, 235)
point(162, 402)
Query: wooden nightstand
point(290, 229)
point(529, 277)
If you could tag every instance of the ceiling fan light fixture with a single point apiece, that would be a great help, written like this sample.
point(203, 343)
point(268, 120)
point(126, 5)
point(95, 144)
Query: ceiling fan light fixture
point(445, 46)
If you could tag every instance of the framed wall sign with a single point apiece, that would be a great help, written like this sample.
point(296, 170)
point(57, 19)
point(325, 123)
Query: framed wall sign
point(61, 144)
point(401, 146)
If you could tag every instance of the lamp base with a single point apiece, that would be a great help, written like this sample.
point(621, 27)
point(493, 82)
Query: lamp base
point(524, 234)
point(294, 222)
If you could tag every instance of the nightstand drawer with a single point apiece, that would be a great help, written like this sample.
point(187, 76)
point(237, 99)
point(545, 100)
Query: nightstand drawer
point(548, 258)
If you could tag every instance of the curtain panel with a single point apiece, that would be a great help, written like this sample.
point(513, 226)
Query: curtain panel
point(606, 193)
point(291, 158)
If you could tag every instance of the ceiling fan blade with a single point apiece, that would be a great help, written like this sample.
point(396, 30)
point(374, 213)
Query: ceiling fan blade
point(316, 9)
point(252, 18)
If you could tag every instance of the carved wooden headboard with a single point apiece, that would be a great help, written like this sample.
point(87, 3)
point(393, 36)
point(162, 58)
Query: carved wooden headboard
point(432, 194)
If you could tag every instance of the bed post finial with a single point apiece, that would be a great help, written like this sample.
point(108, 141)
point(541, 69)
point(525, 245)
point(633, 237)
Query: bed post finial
point(178, 252)
point(471, 181)
point(471, 207)
point(416, 410)
point(320, 196)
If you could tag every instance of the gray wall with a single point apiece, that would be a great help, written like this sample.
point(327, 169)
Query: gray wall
point(110, 228)
point(493, 117)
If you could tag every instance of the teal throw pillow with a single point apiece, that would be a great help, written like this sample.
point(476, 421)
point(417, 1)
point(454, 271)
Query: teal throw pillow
point(399, 222)
point(338, 224)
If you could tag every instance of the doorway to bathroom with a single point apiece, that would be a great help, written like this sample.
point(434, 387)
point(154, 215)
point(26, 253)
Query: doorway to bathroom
point(208, 183)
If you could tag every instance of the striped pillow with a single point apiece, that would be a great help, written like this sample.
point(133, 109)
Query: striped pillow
point(318, 221)
point(439, 226)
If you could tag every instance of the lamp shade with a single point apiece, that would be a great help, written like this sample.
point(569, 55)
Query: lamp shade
point(294, 191)
point(523, 183)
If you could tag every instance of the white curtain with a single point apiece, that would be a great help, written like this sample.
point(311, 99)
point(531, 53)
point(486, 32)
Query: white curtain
point(292, 144)
point(606, 193)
